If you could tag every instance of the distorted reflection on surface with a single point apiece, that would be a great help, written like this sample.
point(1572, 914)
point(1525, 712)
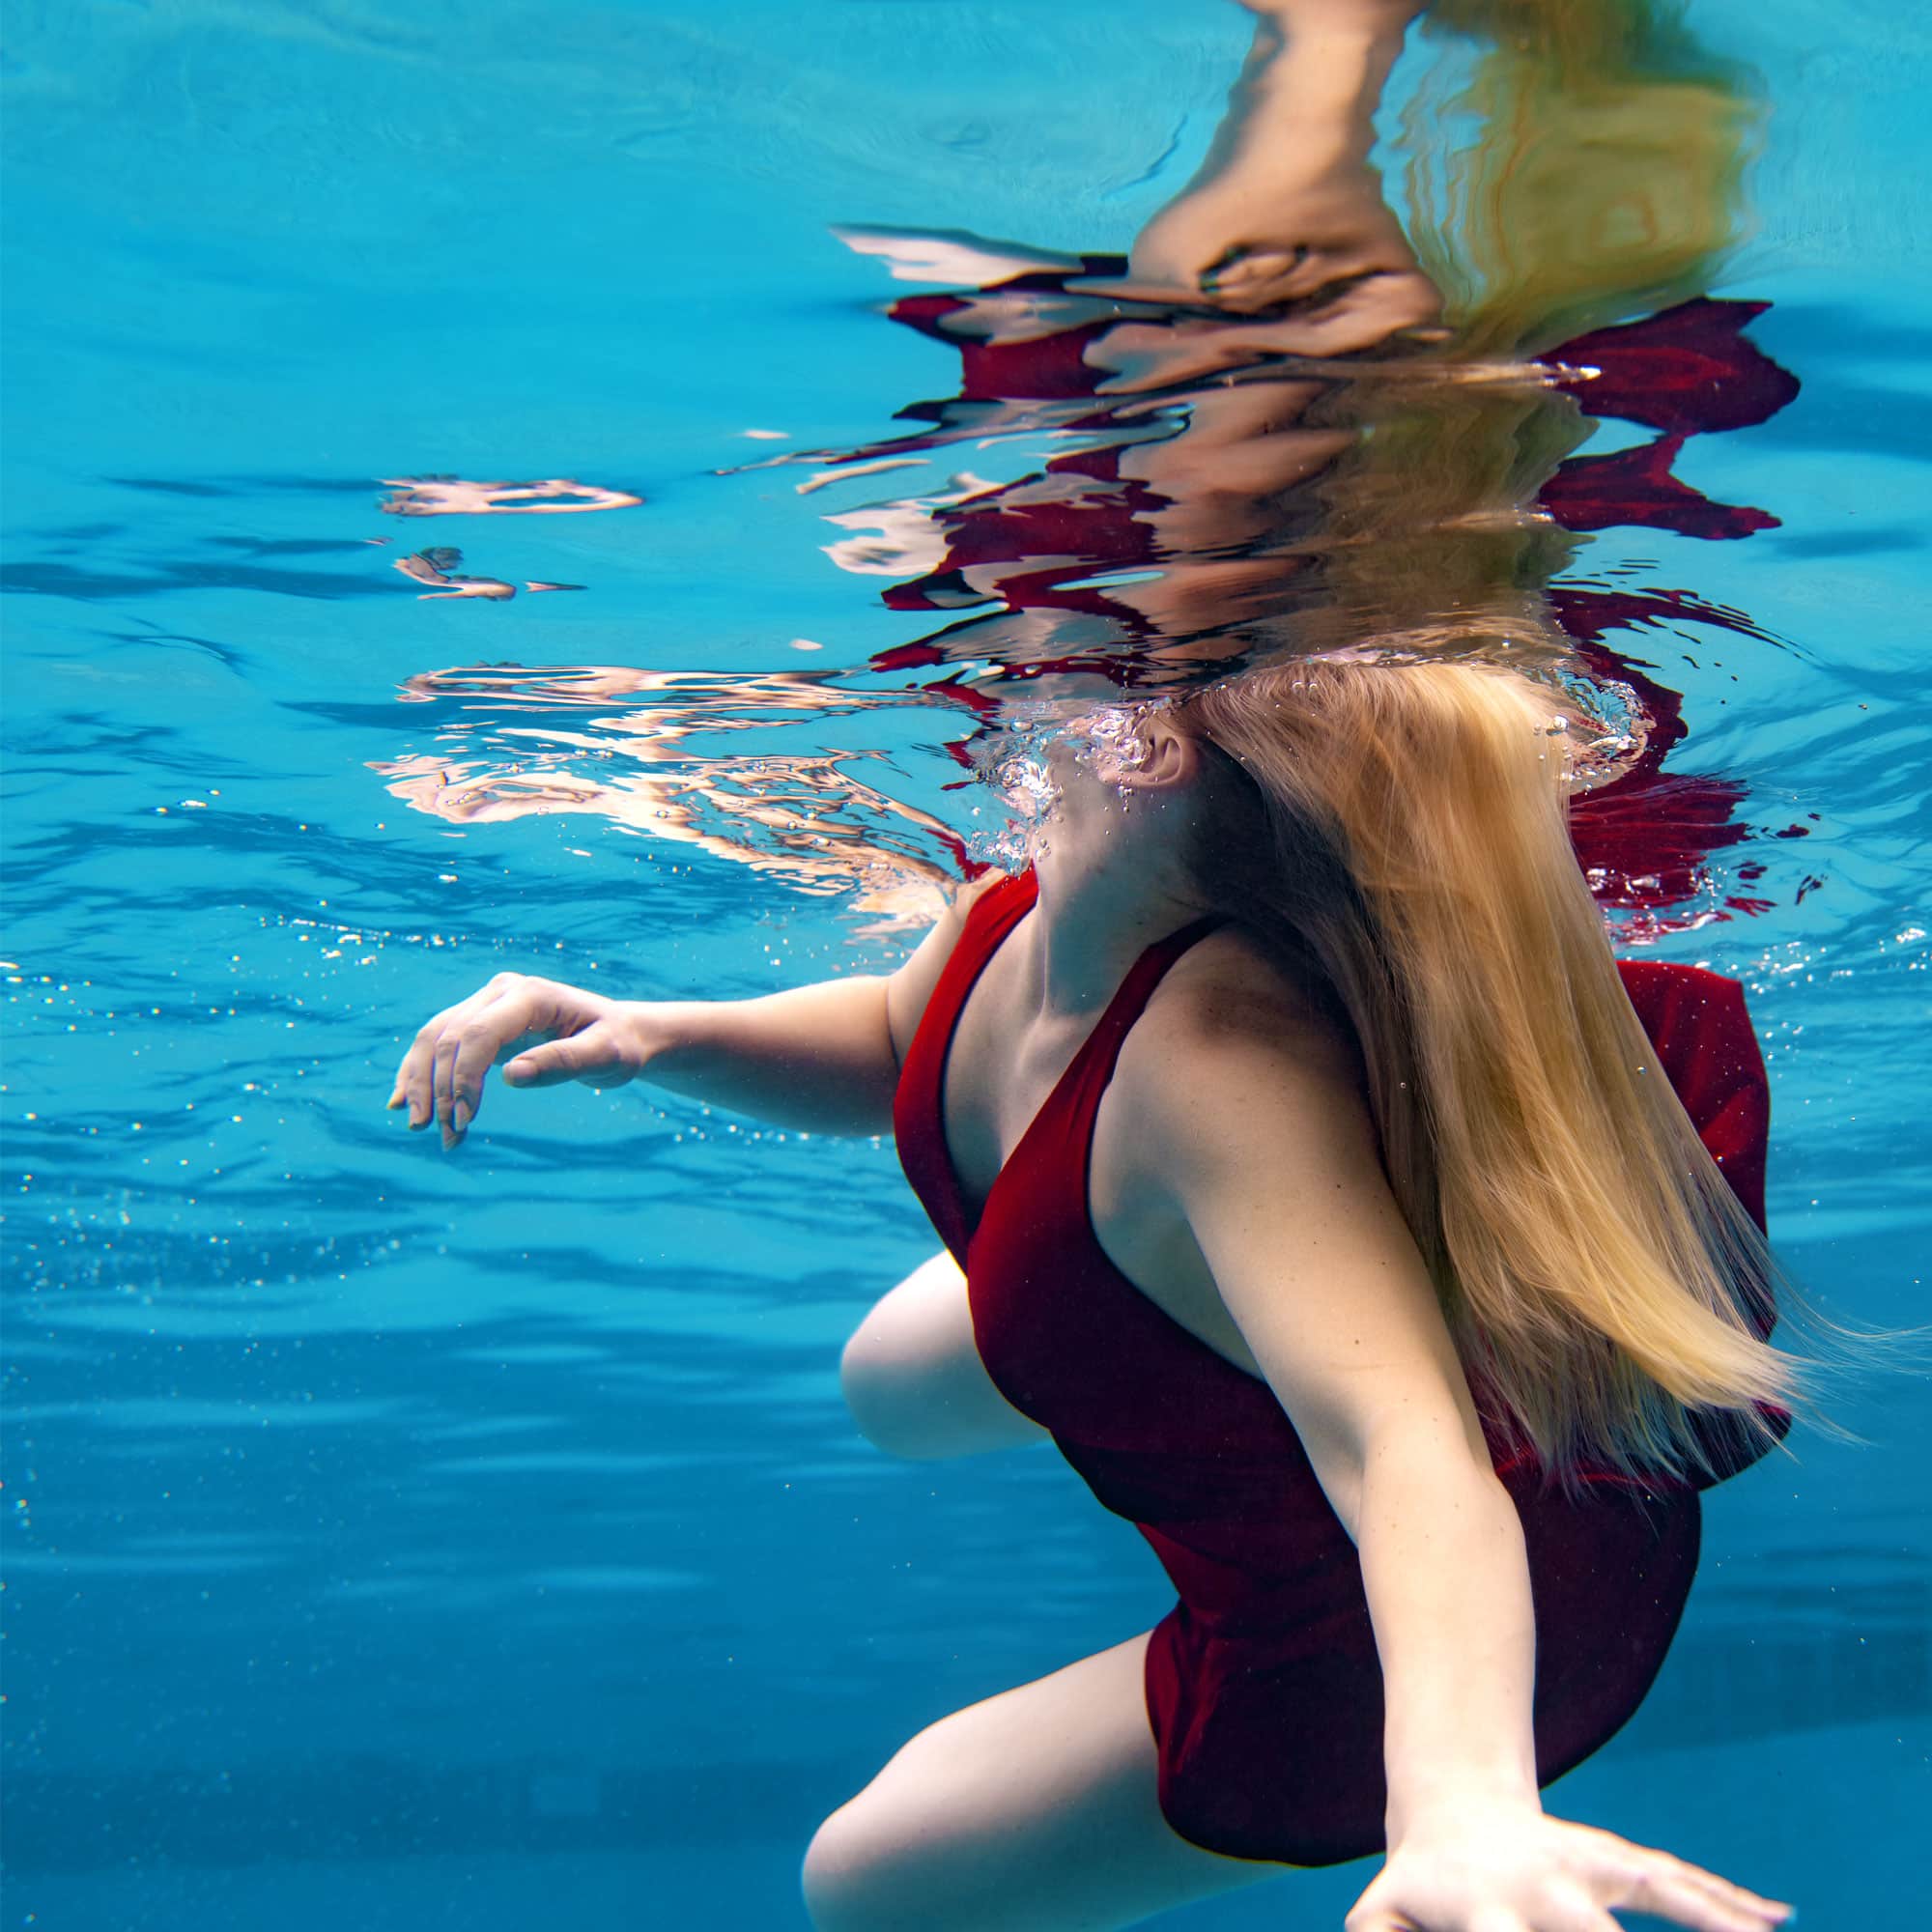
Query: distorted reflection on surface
point(457, 496)
point(1286, 423)
point(625, 745)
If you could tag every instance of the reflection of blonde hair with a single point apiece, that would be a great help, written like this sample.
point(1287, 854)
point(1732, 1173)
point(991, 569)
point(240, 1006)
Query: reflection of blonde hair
point(1602, 179)
point(1605, 181)
point(1595, 1266)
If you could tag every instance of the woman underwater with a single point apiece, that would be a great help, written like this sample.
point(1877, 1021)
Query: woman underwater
point(1307, 1173)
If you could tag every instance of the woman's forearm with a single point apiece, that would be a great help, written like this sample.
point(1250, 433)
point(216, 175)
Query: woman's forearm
point(818, 1057)
point(1447, 1577)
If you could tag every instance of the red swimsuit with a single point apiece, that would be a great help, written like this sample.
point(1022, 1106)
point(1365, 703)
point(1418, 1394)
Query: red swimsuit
point(1263, 1684)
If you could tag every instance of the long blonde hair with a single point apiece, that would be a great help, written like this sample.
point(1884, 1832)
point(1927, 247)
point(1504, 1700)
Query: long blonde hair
point(1406, 829)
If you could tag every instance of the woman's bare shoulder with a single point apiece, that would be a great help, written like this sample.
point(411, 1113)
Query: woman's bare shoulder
point(1231, 996)
point(1233, 980)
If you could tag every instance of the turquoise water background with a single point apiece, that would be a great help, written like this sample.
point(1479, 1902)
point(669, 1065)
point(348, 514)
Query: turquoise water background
point(405, 1540)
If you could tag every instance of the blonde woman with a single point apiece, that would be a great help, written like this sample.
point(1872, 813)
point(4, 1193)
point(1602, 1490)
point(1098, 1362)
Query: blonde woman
point(1307, 1174)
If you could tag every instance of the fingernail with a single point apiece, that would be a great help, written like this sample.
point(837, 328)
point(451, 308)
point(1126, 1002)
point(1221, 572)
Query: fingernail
point(463, 1115)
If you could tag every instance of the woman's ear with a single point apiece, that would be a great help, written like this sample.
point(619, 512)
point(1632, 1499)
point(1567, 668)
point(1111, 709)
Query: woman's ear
point(1168, 760)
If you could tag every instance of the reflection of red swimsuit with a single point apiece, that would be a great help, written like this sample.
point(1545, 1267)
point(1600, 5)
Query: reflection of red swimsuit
point(1263, 1684)
point(1035, 544)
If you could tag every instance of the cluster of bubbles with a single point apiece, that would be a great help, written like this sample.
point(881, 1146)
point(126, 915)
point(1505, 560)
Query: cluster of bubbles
point(1601, 727)
point(1604, 729)
point(1015, 764)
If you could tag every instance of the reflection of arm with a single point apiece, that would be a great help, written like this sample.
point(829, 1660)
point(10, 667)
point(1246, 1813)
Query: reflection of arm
point(1286, 183)
point(1284, 230)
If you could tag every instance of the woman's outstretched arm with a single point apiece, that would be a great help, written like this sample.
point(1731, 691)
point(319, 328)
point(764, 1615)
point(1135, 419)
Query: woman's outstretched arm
point(824, 1058)
point(1274, 1162)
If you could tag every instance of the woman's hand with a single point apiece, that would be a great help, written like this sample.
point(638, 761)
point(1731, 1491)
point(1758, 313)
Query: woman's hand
point(1507, 1866)
point(547, 1032)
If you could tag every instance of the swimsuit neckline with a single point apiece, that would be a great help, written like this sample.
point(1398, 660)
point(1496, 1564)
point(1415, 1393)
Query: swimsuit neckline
point(1022, 893)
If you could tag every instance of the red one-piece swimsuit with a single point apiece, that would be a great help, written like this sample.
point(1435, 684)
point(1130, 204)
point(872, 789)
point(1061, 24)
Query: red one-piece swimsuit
point(1264, 1690)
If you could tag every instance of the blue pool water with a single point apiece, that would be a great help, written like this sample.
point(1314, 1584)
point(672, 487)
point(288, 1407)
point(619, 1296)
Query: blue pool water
point(403, 1540)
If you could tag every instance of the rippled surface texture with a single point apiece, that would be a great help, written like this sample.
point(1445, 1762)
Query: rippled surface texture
point(456, 521)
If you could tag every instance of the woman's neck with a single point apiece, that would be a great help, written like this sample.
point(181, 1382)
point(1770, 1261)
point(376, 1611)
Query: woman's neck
point(1088, 927)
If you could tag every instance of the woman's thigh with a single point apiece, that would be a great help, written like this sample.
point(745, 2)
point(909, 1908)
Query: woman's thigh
point(913, 1377)
point(1035, 1811)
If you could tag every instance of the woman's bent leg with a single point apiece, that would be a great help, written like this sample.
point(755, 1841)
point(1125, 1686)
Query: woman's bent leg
point(913, 1377)
point(1035, 1811)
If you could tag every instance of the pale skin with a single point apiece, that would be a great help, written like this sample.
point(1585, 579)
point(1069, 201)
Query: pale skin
point(1037, 1808)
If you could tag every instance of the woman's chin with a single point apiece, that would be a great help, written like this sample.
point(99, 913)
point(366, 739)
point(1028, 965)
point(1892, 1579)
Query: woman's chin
point(1066, 846)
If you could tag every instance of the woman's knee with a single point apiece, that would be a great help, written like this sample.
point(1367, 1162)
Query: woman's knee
point(905, 1852)
point(843, 1876)
point(912, 1375)
point(883, 1392)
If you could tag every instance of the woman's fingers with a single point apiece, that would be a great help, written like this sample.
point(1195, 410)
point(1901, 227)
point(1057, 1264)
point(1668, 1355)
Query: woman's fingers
point(442, 1076)
point(1703, 1900)
point(443, 1096)
point(478, 1043)
point(591, 1054)
point(473, 1044)
point(1652, 1881)
point(414, 1087)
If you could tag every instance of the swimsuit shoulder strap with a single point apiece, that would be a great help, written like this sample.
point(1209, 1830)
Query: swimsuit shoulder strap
point(1073, 1104)
point(918, 1121)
